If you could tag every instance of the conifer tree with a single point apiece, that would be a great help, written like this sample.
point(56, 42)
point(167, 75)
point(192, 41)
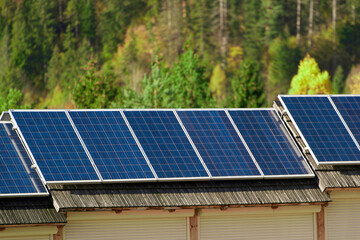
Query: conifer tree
point(338, 82)
point(247, 86)
point(309, 79)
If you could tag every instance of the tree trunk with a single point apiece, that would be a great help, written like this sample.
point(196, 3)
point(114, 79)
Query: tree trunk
point(222, 32)
point(334, 19)
point(311, 12)
point(298, 18)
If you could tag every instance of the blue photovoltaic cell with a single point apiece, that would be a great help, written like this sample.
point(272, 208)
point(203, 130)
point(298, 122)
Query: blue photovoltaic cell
point(218, 143)
point(322, 128)
point(165, 144)
point(349, 108)
point(55, 145)
point(269, 142)
point(111, 145)
point(16, 174)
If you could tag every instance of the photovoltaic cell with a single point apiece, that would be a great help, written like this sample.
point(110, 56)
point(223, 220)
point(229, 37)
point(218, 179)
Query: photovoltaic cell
point(218, 143)
point(55, 145)
point(322, 128)
point(165, 144)
point(349, 108)
point(16, 174)
point(111, 145)
point(269, 142)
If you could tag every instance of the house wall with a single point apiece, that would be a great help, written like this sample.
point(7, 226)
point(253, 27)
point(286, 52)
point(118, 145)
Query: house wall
point(343, 215)
point(28, 233)
point(287, 222)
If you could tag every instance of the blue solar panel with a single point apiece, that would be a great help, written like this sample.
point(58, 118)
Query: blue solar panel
point(218, 143)
point(111, 145)
point(322, 128)
point(165, 144)
point(16, 174)
point(269, 142)
point(55, 145)
point(349, 108)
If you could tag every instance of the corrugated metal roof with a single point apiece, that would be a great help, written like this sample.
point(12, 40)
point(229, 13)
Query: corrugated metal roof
point(36, 210)
point(183, 194)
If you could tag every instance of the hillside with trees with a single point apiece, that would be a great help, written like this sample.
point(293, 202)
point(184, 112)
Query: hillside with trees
point(175, 53)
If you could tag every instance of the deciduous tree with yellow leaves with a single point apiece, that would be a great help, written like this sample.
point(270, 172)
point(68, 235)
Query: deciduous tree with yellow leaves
point(309, 79)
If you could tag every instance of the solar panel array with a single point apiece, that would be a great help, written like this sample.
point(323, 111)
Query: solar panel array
point(16, 175)
point(111, 145)
point(71, 146)
point(55, 146)
point(269, 142)
point(149, 145)
point(218, 143)
point(165, 144)
point(327, 124)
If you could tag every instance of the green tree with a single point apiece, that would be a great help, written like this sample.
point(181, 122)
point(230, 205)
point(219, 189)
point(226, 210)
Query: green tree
point(338, 82)
point(93, 90)
point(309, 79)
point(188, 87)
point(54, 70)
point(5, 68)
point(20, 39)
point(247, 86)
point(12, 100)
point(284, 57)
point(154, 93)
point(218, 83)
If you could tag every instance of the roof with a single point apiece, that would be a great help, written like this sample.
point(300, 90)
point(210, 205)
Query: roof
point(328, 176)
point(35, 210)
point(186, 194)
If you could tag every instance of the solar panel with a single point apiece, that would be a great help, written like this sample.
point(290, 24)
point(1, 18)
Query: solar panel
point(269, 142)
point(218, 143)
point(322, 129)
point(55, 146)
point(349, 108)
point(111, 145)
point(16, 175)
point(166, 144)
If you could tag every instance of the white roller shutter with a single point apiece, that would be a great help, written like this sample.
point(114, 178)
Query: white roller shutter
point(343, 219)
point(137, 228)
point(284, 226)
point(42, 237)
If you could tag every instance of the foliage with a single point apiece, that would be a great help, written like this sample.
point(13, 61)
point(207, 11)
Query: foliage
point(155, 87)
point(338, 82)
point(92, 90)
point(12, 100)
point(309, 79)
point(188, 87)
point(284, 56)
point(247, 86)
point(218, 83)
point(352, 84)
point(44, 43)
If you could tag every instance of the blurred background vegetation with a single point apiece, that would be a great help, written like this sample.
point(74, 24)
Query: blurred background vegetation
point(175, 53)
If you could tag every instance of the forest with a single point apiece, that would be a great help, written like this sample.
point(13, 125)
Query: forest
point(175, 53)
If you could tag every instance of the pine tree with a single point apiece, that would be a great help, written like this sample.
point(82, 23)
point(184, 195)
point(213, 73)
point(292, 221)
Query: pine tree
point(338, 82)
point(5, 67)
point(155, 90)
point(218, 83)
point(93, 90)
point(189, 89)
point(284, 57)
point(12, 100)
point(247, 86)
point(54, 71)
point(309, 79)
